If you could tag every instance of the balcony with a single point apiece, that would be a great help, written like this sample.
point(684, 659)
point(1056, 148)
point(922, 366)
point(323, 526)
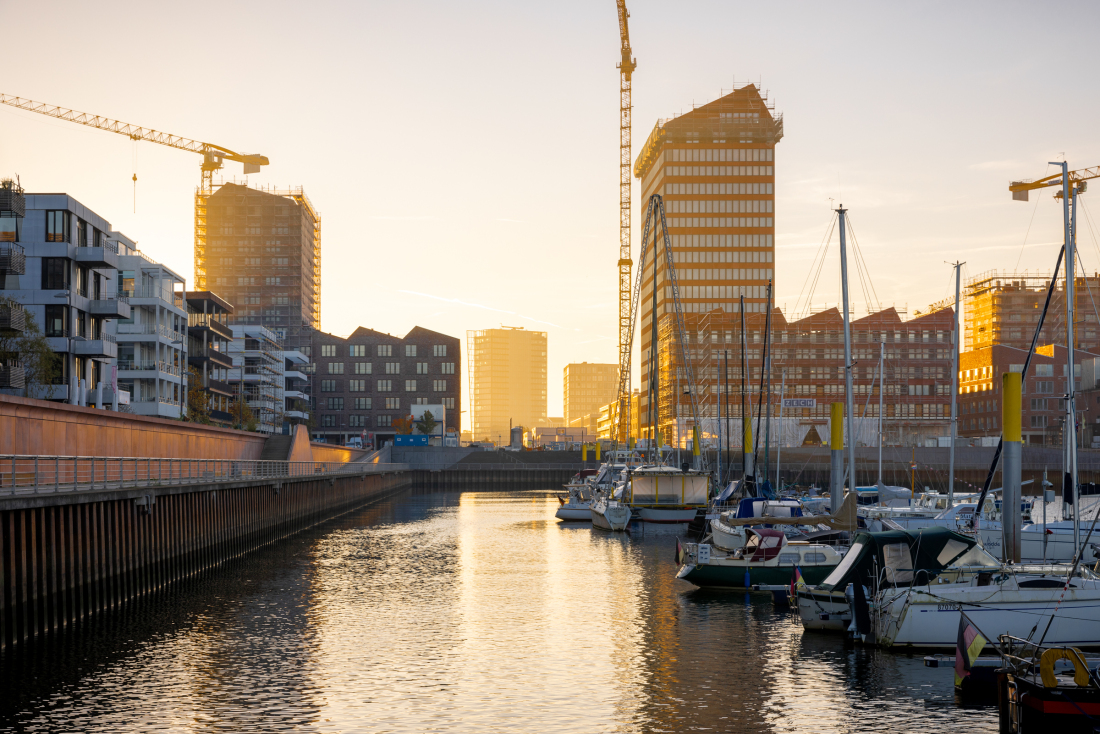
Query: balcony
point(110, 308)
point(12, 317)
point(12, 378)
point(147, 365)
point(219, 387)
point(12, 201)
point(12, 258)
point(209, 321)
point(102, 346)
point(145, 297)
point(218, 359)
point(104, 255)
point(141, 330)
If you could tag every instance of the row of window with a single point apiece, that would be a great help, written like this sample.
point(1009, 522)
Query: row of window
point(721, 206)
point(368, 403)
point(737, 256)
point(721, 240)
point(704, 155)
point(715, 189)
point(392, 368)
point(719, 170)
point(382, 350)
point(692, 222)
point(379, 386)
point(724, 274)
point(720, 291)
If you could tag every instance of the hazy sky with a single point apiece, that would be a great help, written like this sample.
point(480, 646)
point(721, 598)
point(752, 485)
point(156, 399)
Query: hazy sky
point(464, 156)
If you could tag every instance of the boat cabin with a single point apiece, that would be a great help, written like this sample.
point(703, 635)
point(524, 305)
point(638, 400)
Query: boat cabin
point(668, 486)
point(763, 544)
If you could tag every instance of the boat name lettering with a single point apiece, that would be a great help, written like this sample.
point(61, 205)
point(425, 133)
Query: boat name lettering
point(949, 607)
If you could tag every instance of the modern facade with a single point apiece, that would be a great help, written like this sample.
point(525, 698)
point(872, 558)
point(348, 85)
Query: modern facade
point(59, 264)
point(257, 375)
point(208, 337)
point(152, 342)
point(808, 364)
point(588, 387)
point(368, 381)
point(715, 169)
point(295, 390)
point(261, 252)
point(507, 369)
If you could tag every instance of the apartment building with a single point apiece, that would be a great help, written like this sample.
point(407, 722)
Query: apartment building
point(261, 252)
point(208, 337)
point(715, 169)
point(507, 368)
point(587, 387)
point(257, 374)
point(59, 264)
point(367, 381)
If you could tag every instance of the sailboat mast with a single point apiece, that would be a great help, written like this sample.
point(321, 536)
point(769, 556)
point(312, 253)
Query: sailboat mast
point(881, 391)
point(1069, 430)
point(654, 361)
point(842, 215)
point(746, 421)
point(779, 448)
point(768, 372)
point(954, 391)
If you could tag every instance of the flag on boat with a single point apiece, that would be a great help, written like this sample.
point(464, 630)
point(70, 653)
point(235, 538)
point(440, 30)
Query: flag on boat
point(969, 645)
point(797, 582)
point(679, 552)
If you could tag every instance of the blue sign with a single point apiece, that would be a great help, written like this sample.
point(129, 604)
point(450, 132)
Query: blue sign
point(410, 440)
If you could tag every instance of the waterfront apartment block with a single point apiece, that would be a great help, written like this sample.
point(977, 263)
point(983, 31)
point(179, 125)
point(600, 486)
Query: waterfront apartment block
point(507, 368)
point(1003, 308)
point(257, 374)
point(208, 337)
point(261, 252)
point(588, 387)
point(715, 169)
point(367, 382)
point(59, 264)
point(808, 364)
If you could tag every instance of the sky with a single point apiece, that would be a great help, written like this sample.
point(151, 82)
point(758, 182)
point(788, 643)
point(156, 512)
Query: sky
point(464, 156)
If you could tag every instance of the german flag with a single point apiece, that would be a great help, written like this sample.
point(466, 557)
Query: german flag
point(969, 645)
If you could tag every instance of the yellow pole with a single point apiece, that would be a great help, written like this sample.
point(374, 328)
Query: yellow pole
point(836, 427)
point(597, 451)
point(584, 452)
point(836, 456)
point(1012, 406)
point(1012, 519)
point(695, 440)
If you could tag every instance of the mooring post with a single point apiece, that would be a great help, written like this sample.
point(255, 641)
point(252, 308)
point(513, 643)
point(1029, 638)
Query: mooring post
point(1011, 467)
point(836, 456)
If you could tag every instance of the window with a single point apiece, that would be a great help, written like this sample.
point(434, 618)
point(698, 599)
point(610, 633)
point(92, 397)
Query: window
point(448, 368)
point(328, 350)
point(449, 403)
point(410, 350)
point(384, 386)
point(439, 386)
point(328, 421)
point(279, 260)
point(393, 368)
point(57, 226)
point(385, 350)
point(55, 273)
point(271, 281)
point(410, 385)
point(328, 385)
point(280, 301)
point(56, 320)
point(439, 350)
point(1044, 370)
point(357, 350)
point(362, 403)
point(421, 401)
point(335, 403)
point(1038, 421)
point(357, 421)
point(362, 368)
point(357, 385)
point(385, 420)
point(336, 368)
point(1044, 385)
point(421, 368)
point(393, 403)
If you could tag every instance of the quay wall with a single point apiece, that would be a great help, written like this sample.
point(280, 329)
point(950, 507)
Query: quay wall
point(68, 557)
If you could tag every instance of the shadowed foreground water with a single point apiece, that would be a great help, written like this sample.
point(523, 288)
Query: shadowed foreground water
point(474, 612)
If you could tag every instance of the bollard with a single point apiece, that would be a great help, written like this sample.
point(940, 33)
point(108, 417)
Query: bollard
point(746, 448)
point(695, 446)
point(1012, 518)
point(836, 456)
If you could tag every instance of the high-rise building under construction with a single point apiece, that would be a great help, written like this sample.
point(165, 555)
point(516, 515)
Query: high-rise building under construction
point(507, 369)
point(715, 169)
point(262, 254)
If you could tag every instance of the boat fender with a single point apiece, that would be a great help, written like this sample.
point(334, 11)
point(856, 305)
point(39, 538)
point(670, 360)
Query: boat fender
point(1046, 667)
point(748, 584)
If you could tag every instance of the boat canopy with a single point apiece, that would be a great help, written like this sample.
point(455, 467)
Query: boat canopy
point(898, 556)
point(763, 544)
point(758, 507)
point(843, 519)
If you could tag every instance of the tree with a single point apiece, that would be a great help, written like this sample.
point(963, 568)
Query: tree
point(31, 350)
point(404, 426)
point(427, 423)
point(198, 400)
point(243, 417)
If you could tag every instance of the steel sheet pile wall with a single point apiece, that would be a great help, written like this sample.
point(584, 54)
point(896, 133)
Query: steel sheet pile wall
point(67, 558)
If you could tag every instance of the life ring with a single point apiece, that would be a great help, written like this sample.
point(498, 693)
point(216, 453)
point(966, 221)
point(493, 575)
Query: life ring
point(1046, 667)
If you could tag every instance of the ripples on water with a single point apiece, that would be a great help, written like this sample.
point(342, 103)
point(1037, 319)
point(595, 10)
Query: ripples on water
point(474, 612)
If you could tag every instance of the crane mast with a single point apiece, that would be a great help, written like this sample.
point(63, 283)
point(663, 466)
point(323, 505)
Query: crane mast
point(626, 68)
point(213, 158)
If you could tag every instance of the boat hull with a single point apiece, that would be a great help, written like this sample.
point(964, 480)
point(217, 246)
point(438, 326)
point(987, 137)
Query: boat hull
point(574, 513)
point(824, 610)
point(667, 515)
point(610, 517)
point(725, 537)
point(744, 575)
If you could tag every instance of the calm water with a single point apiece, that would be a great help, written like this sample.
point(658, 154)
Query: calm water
point(473, 612)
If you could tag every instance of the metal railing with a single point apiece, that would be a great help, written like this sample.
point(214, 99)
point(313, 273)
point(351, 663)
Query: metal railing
point(502, 466)
point(22, 475)
point(150, 329)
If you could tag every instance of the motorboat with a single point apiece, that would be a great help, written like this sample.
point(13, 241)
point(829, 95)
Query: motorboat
point(576, 503)
point(608, 513)
point(729, 537)
point(767, 559)
point(666, 495)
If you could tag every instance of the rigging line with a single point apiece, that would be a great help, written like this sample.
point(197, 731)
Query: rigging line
point(809, 275)
point(1088, 222)
point(861, 270)
point(1033, 212)
point(859, 254)
point(1088, 289)
point(817, 275)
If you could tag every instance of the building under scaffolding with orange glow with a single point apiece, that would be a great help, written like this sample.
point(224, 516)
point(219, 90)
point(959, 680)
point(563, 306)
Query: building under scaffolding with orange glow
point(810, 353)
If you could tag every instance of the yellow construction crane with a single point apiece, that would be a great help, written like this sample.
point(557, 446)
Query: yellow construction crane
point(626, 68)
point(1077, 178)
point(213, 158)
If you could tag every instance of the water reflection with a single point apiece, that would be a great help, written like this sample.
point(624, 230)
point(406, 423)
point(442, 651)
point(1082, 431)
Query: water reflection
point(472, 612)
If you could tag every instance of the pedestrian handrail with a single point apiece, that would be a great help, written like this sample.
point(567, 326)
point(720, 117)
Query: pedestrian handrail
point(503, 466)
point(28, 475)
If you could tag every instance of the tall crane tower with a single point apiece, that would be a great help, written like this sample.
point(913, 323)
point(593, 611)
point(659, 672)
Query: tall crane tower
point(213, 158)
point(626, 68)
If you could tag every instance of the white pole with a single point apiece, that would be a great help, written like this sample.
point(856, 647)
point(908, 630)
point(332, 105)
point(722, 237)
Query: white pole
point(850, 405)
point(954, 392)
point(779, 450)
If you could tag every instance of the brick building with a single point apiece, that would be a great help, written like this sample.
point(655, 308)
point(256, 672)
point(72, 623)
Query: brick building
point(365, 382)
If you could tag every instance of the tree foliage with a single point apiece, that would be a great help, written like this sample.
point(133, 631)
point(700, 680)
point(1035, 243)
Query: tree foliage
point(198, 400)
point(243, 417)
point(403, 426)
point(31, 350)
point(427, 423)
